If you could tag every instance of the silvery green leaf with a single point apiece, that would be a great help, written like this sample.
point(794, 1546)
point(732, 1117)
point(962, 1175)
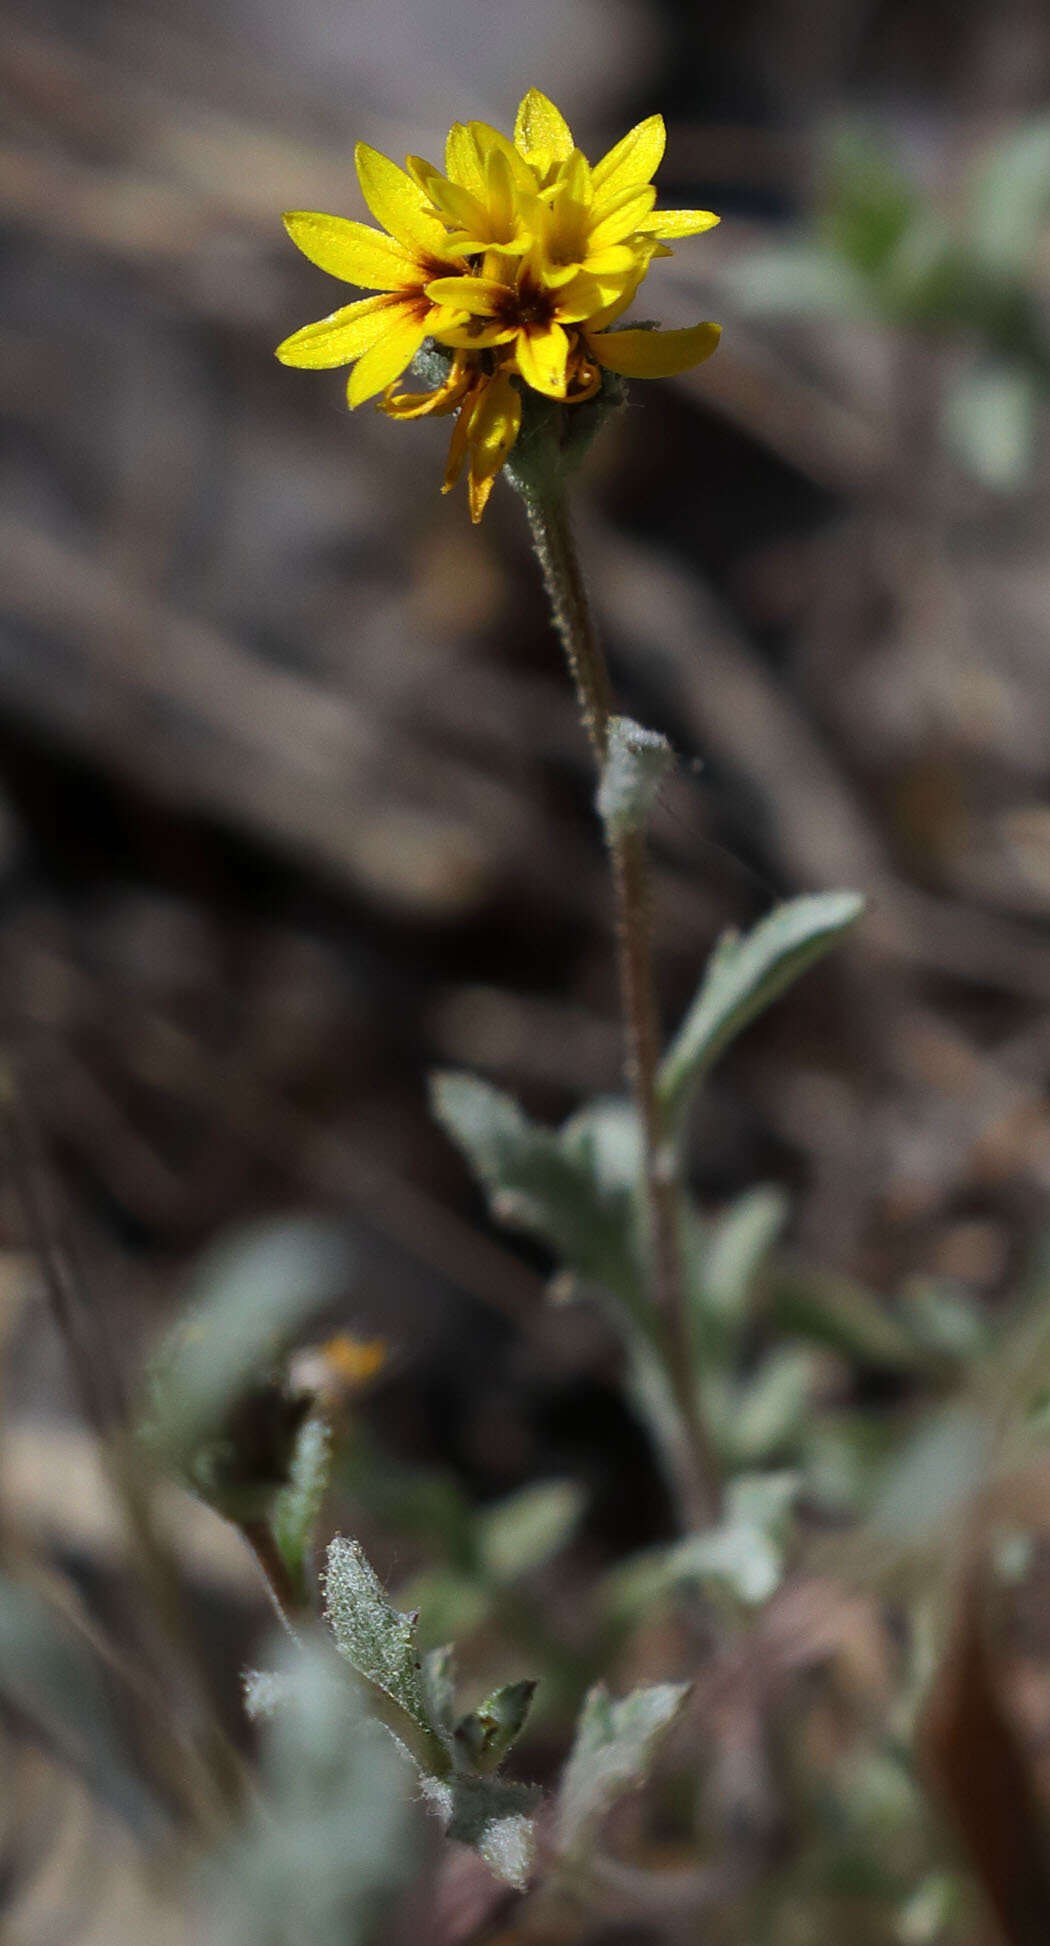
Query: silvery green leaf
point(745, 973)
point(614, 1751)
point(264, 1690)
point(521, 1532)
point(370, 1632)
point(485, 1735)
point(829, 1309)
point(555, 1185)
point(934, 1911)
point(744, 1554)
point(297, 1506)
point(936, 1477)
point(508, 1846)
point(869, 204)
point(734, 1250)
point(1012, 198)
point(329, 1844)
point(771, 1406)
point(493, 1817)
point(948, 1320)
point(439, 1684)
point(636, 763)
point(249, 1296)
point(991, 418)
point(604, 1138)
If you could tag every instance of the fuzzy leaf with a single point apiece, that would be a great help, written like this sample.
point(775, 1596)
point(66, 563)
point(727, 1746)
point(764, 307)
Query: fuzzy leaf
point(636, 763)
point(734, 1250)
point(1012, 197)
point(297, 1506)
point(614, 1751)
point(439, 1683)
point(771, 1408)
point(523, 1531)
point(491, 1816)
point(744, 1554)
point(557, 1185)
point(264, 1691)
point(487, 1733)
point(330, 1839)
point(369, 1631)
point(991, 423)
point(743, 976)
point(830, 1310)
point(249, 1296)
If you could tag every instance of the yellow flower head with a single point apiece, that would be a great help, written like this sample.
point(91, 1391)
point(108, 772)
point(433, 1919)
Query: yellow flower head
point(517, 260)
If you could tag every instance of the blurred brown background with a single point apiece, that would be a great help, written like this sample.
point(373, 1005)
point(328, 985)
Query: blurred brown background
point(295, 805)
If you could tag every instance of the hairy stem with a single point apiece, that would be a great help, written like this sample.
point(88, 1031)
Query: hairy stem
point(687, 1449)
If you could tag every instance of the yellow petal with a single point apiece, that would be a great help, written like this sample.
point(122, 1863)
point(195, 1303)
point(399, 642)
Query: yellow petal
point(599, 320)
point(494, 426)
point(586, 296)
point(574, 181)
point(555, 275)
point(463, 164)
point(474, 334)
point(446, 317)
point(541, 133)
point(678, 222)
point(385, 361)
point(420, 170)
point(654, 354)
point(499, 186)
point(398, 203)
point(352, 251)
point(616, 261)
point(338, 339)
point(478, 494)
point(457, 446)
point(623, 214)
point(478, 295)
point(426, 405)
point(635, 159)
point(490, 141)
point(542, 357)
point(458, 206)
point(461, 243)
